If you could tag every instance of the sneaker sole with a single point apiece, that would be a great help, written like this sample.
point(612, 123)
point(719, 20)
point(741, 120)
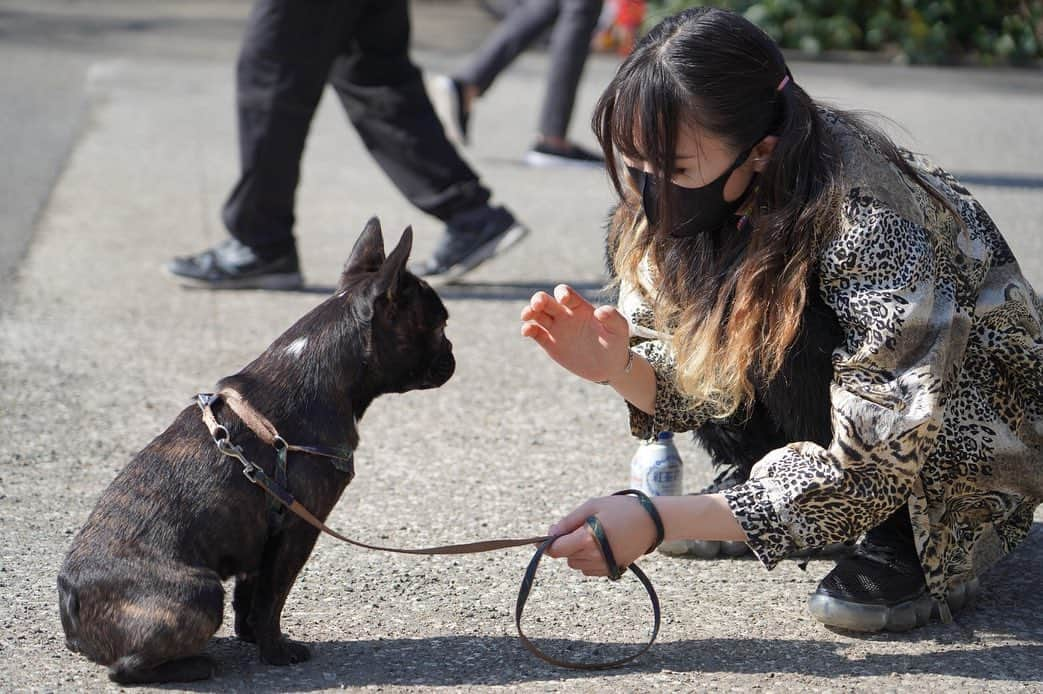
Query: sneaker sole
point(852, 616)
point(545, 161)
point(491, 248)
point(443, 95)
point(279, 282)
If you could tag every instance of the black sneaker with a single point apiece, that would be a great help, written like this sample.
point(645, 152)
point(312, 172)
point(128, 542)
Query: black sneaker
point(469, 240)
point(544, 155)
point(880, 587)
point(448, 98)
point(233, 265)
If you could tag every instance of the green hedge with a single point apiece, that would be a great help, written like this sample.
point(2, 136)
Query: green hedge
point(922, 31)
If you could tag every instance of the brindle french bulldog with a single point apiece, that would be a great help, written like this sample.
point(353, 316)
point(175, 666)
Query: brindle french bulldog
point(141, 588)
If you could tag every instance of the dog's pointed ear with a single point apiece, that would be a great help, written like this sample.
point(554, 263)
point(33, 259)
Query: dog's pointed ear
point(368, 253)
point(391, 272)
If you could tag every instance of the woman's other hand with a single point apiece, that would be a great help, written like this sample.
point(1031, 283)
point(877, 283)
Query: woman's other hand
point(628, 527)
point(590, 342)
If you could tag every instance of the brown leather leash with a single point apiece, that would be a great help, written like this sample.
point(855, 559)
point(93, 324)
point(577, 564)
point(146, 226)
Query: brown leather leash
point(343, 460)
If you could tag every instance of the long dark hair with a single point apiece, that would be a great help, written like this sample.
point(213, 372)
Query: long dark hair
point(732, 301)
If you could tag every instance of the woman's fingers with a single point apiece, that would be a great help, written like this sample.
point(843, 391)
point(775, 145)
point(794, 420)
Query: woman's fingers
point(544, 302)
point(537, 332)
point(589, 568)
point(532, 315)
point(569, 297)
point(612, 320)
point(578, 543)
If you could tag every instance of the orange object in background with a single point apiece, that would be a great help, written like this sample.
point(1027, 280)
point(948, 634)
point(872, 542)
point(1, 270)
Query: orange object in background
point(621, 26)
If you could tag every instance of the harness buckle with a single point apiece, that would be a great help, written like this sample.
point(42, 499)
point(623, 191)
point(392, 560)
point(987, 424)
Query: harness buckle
point(229, 449)
point(252, 471)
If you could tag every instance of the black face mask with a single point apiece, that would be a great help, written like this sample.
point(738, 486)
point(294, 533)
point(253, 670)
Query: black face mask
point(697, 210)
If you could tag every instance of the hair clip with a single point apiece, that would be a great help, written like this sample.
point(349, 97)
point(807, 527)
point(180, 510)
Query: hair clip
point(782, 85)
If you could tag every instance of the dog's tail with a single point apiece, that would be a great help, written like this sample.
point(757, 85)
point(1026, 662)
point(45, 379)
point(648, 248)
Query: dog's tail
point(69, 608)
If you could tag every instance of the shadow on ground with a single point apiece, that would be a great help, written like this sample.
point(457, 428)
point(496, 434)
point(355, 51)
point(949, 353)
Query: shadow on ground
point(472, 660)
point(1000, 639)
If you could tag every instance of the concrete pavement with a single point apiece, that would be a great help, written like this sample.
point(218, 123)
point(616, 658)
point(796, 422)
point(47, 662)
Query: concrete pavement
point(98, 352)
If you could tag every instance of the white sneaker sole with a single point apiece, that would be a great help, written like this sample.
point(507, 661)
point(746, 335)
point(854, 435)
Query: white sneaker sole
point(850, 616)
point(540, 160)
point(277, 282)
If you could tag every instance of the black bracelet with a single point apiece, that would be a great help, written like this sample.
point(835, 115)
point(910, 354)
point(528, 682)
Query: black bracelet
point(652, 511)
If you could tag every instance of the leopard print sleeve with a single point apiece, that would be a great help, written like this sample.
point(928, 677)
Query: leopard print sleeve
point(893, 285)
point(674, 411)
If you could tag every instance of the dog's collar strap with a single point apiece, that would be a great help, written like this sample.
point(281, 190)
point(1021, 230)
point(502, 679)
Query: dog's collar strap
point(340, 458)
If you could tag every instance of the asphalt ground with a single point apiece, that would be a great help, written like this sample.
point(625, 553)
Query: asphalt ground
point(125, 109)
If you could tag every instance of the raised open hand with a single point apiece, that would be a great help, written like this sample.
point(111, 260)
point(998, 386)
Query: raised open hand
point(590, 342)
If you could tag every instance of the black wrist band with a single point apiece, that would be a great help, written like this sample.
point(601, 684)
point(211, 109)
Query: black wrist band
point(652, 511)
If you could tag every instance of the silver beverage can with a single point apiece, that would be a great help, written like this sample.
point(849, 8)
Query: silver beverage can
point(656, 470)
point(656, 467)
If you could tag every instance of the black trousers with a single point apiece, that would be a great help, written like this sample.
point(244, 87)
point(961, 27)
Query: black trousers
point(291, 49)
point(574, 23)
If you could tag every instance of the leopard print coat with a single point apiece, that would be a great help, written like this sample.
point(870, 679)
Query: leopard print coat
point(936, 398)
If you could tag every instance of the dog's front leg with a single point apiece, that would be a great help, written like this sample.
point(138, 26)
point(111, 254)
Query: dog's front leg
point(242, 604)
point(283, 558)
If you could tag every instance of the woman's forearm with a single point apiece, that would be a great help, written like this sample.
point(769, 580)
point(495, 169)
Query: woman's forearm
point(638, 386)
point(698, 517)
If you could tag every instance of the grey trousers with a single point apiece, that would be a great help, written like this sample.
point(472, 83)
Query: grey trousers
point(574, 22)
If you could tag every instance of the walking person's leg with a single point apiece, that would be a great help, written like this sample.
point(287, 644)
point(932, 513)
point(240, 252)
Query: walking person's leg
point(283, 64)
point(523, 25)
point(383, 93)
point(570, 46)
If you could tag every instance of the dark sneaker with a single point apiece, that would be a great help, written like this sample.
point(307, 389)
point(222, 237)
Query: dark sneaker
point(544, 155)
point(880, 587)
point(233, 265)
point(469, 240)
point(448, 97)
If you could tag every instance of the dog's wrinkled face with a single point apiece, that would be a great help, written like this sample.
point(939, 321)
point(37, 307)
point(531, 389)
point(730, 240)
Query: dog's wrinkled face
point(409, 349)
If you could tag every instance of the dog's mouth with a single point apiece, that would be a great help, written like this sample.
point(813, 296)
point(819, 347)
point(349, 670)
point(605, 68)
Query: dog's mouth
point(441, 371)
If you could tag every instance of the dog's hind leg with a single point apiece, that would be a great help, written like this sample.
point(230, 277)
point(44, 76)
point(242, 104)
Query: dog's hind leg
point(153, 628)
point(69, 611)
point(131, 670)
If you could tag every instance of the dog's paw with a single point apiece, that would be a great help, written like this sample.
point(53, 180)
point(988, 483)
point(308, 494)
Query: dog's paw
point(285, 652)
point(244, 630)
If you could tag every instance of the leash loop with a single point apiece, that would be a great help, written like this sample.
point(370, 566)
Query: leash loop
point(523, 596)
